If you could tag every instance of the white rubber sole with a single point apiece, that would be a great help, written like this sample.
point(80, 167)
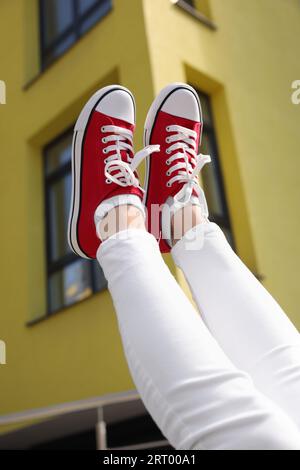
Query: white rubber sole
point(151, 117)
point(78, 137)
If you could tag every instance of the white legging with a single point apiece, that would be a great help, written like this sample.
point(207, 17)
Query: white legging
point(228, 379)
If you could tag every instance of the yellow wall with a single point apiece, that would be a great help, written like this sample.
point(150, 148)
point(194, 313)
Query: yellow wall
point(247, 65)
point(203, 6)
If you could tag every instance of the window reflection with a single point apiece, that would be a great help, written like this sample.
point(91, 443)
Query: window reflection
point(71, 284)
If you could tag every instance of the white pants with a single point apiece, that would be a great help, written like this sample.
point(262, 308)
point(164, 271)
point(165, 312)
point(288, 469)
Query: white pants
point(232, 382)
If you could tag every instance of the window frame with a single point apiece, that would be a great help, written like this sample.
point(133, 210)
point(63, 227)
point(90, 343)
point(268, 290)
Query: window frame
point(191, 10)
point(53, 267)
point(74, 28)
point(209, 129)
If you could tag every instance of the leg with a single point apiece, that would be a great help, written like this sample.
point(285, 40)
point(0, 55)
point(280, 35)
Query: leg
point(194, 393)
point(243, 317)
point(197, 397)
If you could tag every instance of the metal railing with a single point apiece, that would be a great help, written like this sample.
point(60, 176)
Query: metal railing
point(95, 403)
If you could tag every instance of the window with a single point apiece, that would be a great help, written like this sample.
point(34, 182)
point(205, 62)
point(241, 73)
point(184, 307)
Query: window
point(212, 174)
point(69, 278)
point(62, 22)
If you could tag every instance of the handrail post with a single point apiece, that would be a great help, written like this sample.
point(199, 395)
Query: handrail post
point(101, 435)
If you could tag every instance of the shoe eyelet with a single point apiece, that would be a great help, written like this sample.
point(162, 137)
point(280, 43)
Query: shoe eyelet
point(102, 128)
point(168, 184)
point(167, 162)
point(168, 173)
point(168, 151)
point(103, 140)
point(104, 150)
point(107, 181)
point(105, 161)
point(168, 128)
point(167, 140)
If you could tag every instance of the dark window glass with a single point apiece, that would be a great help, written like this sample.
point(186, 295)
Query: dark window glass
point(56, 51)
point(62, 22)
point(212, 174)
point(70, 279)
point(90, 20)
point(85, 5)
point(58, 15)
point(58, 206)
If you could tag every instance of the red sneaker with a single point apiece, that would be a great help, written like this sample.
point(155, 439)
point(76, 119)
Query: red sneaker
point(174, 121)
point(103, 165)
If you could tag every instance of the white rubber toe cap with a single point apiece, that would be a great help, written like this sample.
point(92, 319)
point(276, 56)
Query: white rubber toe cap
point(183, 103)
point(118, 104)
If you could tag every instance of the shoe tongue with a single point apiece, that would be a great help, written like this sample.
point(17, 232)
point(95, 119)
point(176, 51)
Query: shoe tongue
point(121, 123)
point(170, 119)
point(177, 186)
point(124, 155)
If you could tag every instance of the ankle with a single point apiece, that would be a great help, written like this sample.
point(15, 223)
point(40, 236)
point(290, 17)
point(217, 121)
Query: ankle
point(121, 218)
point(184, 220)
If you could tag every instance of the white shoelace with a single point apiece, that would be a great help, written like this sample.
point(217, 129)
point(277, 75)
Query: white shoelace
point(185, 142)
point(117, 170)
